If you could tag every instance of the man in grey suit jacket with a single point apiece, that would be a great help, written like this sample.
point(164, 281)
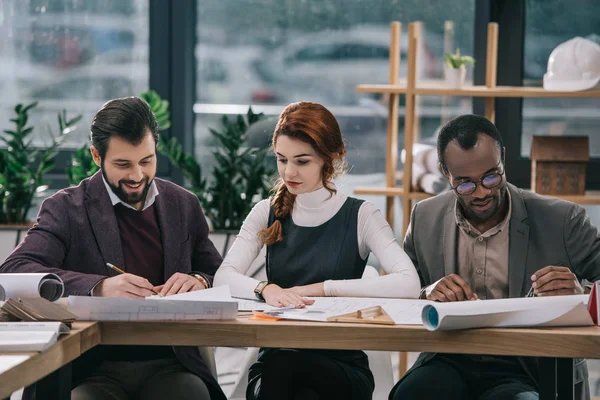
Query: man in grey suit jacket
point(488, 239)
point(152, 229)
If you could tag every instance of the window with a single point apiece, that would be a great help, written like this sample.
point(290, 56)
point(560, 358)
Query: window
point(72, 55)
point(122, 7)
point(548, 24)
point(277, 52)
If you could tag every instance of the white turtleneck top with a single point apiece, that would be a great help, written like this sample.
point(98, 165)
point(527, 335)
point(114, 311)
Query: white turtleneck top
point(313, 209)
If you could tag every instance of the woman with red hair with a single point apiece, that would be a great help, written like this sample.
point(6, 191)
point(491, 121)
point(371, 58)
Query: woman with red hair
point(318, 241)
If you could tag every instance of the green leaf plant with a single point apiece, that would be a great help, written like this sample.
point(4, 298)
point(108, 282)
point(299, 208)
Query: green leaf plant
point(456, 61)
point(23, 166)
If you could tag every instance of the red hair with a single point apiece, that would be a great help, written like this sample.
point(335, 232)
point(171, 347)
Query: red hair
point(313, 124)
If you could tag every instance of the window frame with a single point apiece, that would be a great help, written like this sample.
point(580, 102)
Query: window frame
point(172, 64)
point(172, 38)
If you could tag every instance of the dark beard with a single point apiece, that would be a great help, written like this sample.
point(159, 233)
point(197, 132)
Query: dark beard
point(130, 199)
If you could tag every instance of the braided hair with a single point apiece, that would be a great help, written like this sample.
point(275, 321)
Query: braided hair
point(314, 124)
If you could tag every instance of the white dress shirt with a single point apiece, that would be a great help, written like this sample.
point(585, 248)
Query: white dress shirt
point(150, 196)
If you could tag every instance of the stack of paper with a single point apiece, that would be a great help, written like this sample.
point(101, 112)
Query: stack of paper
point(29, 336)
point(517, 312)
point(219, 293)
point(402, 311)
point(213, 303)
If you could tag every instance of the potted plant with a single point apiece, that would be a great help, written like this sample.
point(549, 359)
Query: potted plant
point(23, 167)
point(455, 68)
point(240, 177)
point(82, 165)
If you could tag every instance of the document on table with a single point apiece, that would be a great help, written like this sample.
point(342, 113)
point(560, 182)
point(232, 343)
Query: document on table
point(516, 312)
point(252, 305)
point(219, 293)
point(29, 336)
point(402, 311)
point(117, 309)
point(7, 362)
point(48, 286)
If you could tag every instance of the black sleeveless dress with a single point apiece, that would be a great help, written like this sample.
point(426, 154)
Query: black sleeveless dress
point(310, 255)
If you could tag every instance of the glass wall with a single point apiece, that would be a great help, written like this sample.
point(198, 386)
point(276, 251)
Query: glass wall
point(70, 54)
point(548, 24)
point(270, 53)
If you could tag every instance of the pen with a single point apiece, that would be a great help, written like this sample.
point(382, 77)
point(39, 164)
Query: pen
point(531, 293)
point(277, 311)
point(120, 271)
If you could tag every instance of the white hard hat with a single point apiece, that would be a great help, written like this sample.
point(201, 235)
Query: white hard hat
point(573, 65)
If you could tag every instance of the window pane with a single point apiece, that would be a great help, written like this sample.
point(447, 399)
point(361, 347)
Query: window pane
point(73, 55)
point(273, 52)
point(550, 23)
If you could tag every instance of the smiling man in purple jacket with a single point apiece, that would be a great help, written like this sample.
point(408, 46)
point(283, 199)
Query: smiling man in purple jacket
point(152, 229)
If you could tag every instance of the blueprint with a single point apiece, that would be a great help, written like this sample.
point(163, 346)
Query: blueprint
point(88, 308)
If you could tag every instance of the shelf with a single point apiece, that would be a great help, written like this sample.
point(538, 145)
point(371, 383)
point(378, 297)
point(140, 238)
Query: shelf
point(411, 86)
point(390, 191)
point(437, 89)
point(590, 197)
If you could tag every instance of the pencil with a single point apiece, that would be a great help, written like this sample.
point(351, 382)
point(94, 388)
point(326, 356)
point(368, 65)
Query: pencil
point(120, 271)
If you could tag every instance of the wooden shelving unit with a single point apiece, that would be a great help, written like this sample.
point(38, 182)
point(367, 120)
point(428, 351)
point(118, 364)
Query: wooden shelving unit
point(430, 88)
point(411, 88)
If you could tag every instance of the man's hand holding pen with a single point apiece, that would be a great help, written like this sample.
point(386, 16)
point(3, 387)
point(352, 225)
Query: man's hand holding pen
point(124, 285)
point(133, 286)
point(555, 281)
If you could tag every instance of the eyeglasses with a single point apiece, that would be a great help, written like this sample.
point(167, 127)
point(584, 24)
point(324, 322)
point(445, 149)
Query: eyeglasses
point(488, 181)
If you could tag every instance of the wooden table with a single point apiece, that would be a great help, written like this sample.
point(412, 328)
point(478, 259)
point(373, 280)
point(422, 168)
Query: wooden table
point(53, 364)
point(557, 345)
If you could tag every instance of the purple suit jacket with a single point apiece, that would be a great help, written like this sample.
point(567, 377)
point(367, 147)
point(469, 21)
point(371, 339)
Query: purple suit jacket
point(76, 234)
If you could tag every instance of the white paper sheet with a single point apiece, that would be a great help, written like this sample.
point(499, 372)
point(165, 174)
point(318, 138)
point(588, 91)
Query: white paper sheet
point(220, 293)
point(116, 309)
point(29, 336)
point(517, 312)
point(15, 341)
point(402, 311)
point(251, 305)
point(7, 362)
point(48, 286)
point(56, 327)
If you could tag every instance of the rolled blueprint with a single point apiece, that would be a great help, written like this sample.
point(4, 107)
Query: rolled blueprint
point(48, 286)
point(515, 312)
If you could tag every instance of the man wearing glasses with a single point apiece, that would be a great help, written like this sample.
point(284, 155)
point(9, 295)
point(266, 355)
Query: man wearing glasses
point(487, 239)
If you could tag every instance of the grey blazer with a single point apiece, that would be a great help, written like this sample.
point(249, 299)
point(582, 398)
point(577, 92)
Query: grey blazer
point(543, 231)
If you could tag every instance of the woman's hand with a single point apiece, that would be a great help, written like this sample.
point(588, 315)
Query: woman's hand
point(278, 297)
